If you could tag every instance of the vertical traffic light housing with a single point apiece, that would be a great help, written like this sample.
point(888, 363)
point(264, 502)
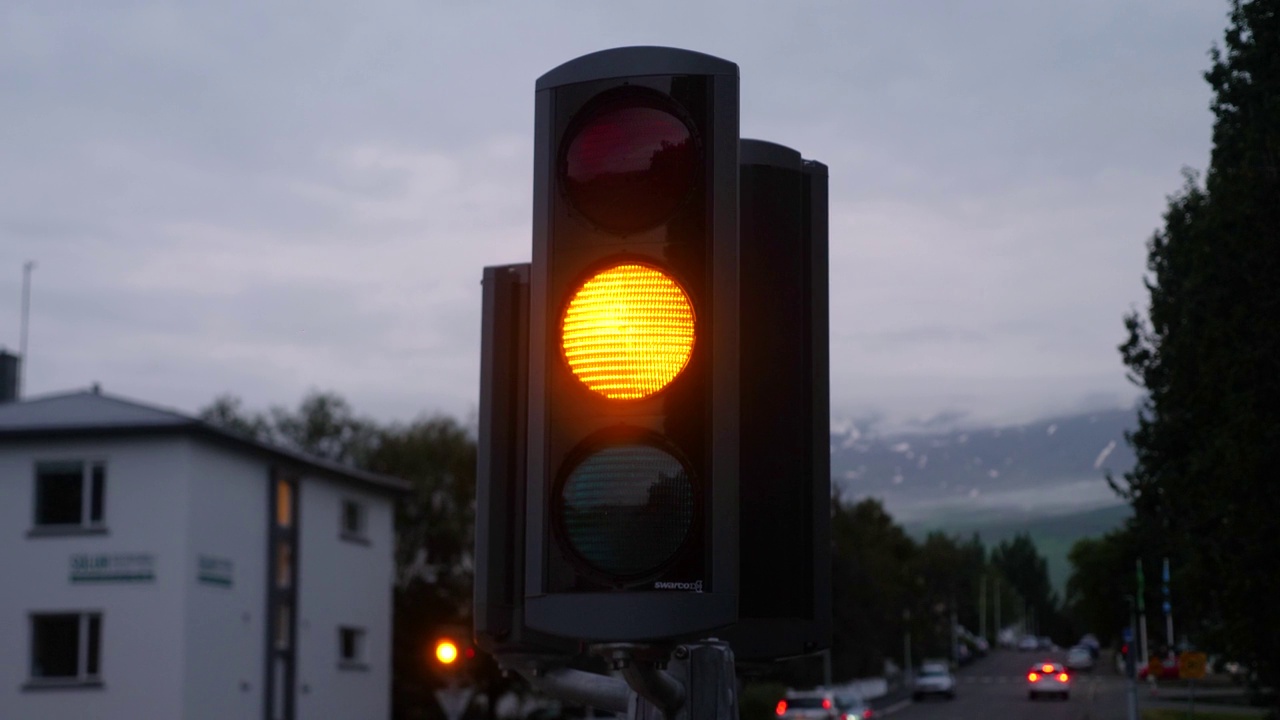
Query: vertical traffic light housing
point(633, 343)
point(785, 480)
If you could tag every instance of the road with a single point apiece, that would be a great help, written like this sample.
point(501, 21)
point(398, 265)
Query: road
point(995, 687)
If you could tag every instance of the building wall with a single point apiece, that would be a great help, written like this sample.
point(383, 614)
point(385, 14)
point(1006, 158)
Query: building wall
point(343, 583)
point(225, 550)
point(142, 642)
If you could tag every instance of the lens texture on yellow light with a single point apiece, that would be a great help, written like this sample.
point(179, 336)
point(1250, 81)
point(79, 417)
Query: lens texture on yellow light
point(628, 331)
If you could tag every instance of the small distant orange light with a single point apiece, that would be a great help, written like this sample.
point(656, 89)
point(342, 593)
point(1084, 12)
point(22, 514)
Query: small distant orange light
point(1062, 677)
point(446, 652)
point(1033, 677)
point(1046, 669)
point(781, 709)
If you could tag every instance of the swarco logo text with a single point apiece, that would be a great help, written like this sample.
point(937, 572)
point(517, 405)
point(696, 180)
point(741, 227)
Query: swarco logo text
point(695, 586)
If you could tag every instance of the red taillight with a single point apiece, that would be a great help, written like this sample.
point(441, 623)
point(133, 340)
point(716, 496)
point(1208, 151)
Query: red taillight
point(826, 703)
point(781, 708)
point(866, 714)
point(1062, 677)
point(1033, 677)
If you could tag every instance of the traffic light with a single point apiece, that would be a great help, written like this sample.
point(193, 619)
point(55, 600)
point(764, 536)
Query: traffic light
point(785, 479)
point(501, 478)
point(633, 348)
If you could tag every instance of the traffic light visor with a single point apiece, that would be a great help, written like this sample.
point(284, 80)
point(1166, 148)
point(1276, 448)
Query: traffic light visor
point(629, 162)
point(627, 510)
point(628, 331)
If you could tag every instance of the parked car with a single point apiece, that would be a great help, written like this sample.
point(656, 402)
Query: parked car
point(822, 704)
point(1029, 642)
point(1168, 670)
point(934, 678)
point(1048, 679)
point(1079, 658)
point(1090, 641)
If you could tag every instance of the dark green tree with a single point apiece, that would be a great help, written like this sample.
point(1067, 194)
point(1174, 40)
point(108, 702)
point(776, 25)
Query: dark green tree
point(873, 587)
point(1207, 354)
point(1092, 600)
point(1026, 570)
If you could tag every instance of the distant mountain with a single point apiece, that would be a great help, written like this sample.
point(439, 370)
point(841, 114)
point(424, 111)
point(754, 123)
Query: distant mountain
point(1049, 467)
point(1045, 478)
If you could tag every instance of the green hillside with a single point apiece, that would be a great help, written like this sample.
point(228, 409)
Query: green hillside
point(1053, 534)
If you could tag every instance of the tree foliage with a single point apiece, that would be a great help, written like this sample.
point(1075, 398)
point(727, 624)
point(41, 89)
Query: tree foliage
point(1207, 353)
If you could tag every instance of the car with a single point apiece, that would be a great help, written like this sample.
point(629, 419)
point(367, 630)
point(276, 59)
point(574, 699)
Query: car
point(823, 704)
point(1168, 669)
point(1029, 642)
point(1090, 641)
point(1079, 658)
point(934, 678)
point(1048, 678)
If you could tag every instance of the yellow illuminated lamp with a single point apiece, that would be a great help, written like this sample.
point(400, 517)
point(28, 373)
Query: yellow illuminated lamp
point(446, 652)
point(628, 331)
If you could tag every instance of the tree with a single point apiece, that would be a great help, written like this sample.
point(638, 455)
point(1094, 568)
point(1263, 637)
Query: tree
point(1026, 570)
point(1092, 599)
point(1207, 353)
point(872, 585)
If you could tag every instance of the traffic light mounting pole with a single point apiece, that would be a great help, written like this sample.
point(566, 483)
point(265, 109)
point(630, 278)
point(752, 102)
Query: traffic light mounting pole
point(695, 681)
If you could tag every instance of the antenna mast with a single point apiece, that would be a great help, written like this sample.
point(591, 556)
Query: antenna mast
point(27, 267)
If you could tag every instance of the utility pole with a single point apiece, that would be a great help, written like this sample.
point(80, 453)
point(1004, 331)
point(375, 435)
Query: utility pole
point(27, 267)
point(1167, 606)
point(1131, 687)
point(1142, 613)
point(982, 608)
point(997, 618)
point(908, 669)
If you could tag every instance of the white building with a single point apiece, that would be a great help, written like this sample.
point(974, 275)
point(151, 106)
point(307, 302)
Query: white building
point(153, 566)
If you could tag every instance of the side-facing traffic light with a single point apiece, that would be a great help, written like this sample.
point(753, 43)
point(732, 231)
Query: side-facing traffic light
point(633, 347)
point(785, 470)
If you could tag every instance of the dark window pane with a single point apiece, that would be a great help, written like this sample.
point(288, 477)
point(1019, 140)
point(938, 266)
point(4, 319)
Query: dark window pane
point(96, 497)
point(348, 640)
point(95, 637)
point(282, 627)
point(55, 643)
point(351, 518)
point(59, 494)
point(284, 564)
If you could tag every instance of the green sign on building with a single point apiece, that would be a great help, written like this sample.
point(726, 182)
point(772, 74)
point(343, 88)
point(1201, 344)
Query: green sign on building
point(113, 567)
point(214, 571)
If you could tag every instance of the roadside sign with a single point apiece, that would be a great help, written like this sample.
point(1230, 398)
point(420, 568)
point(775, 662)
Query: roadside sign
point(1127, 635)
point(1155, 668)
point(1191, 665)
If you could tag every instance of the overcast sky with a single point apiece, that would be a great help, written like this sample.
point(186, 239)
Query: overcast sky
point(264, 198)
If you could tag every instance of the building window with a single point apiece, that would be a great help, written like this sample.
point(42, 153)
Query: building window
point(351, 648)
point(284, 503)
point(65, 649)
point(70, 495)
point(353, 521)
